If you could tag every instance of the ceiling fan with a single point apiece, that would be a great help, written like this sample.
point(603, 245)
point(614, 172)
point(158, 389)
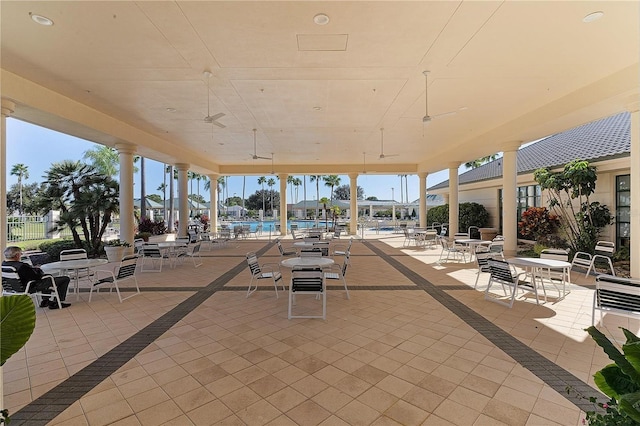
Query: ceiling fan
point(382, 154)
point(212, 119)
point(255, 155)
point(364, 163)
point(427, 118)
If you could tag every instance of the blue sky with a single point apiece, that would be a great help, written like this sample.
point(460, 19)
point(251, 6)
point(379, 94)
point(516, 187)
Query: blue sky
point(38, 148)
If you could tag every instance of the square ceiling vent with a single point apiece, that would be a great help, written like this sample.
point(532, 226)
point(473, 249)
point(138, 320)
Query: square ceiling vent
point(322, 42)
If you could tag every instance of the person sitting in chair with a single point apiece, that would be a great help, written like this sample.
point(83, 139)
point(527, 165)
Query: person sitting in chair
point(28, 273)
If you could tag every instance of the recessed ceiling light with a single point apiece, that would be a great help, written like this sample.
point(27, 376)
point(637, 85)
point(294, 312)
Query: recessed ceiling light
point(317, 108)
point(321, 19)
point(593, 17)
point(171, 110)
point(42, 20)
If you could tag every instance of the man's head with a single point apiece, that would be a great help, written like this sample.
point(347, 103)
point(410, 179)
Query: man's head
point(12, 253)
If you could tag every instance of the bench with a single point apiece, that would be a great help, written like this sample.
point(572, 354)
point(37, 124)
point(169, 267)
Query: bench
point(617, 295)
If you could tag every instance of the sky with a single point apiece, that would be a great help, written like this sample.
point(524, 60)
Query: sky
point(38, 147)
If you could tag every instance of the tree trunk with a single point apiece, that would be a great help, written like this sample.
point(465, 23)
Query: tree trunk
point(143, 192)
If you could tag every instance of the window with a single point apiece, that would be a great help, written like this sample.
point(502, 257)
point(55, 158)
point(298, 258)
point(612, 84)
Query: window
point(527, 196)
point(623, 210)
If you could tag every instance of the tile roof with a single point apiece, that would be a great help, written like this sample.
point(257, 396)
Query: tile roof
point(596, 141)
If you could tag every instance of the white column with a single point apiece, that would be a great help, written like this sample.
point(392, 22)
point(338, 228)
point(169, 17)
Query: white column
point(634, 109)
point(8, 108)
point(453, 198)
point(509, 197)
point(353, 205)
point(423, 199)
point(213, 191)
point(183, 198)
point(127, 228)
point(283, 203)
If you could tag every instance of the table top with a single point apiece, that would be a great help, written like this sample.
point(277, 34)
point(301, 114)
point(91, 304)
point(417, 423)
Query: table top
point(165, 244)
point(74, 264)
point(473, 241)
point(534, 262)
point(304, 244)
point(307, 261)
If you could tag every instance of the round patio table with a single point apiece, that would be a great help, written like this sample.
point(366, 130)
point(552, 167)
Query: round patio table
point(73, 265)
point(307, 262)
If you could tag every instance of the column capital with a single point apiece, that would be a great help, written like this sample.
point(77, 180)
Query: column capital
point(283, 176)
point(181, 167)
point(423, 175)
point(454, 164)
point(8, 107)
point(125, 148)
point(213, 176)
point(353, 175)
point(510, 145)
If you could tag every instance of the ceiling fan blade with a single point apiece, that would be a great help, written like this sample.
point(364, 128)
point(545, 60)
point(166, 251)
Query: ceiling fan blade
point(383, 156)
point(214, 117)
point(222, 126)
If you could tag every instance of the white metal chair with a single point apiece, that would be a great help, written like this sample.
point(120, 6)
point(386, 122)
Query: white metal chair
point(11, 284)
point(409, 236)
point(502, 273)
point(265, 271)
point(482, 262)
point(555, 275)
point(285, 252)
point(192, 252)
point(451, 250)
point(126, 271)
point(341, 250)
point(311, 252)
point(323, 246)
point(153, 254)
point(339, 272)
point(603, 251)
point(307, 281)
point(75, 254)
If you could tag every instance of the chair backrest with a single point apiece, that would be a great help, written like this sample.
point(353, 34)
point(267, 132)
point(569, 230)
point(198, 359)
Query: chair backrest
point(482, 259)
point(461, 235)
point(501, 271)
point(151, 250)
point(254, 266)
point(195, 249)
point(605, 248)
point(312, 238)
point(127, 267)
point(192, 235)
point(73, 254)
point(307, 281)
point(184, 240)
point(311, 252)
point(474, 232)
point(555, 254)
point(11, 280)
point(349, 245)
point(279, 244)
point(137, 244)
point(323, 246)
point(443, 231)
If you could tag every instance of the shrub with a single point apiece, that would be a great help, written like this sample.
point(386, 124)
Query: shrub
point(53, 248)
point(155, 228)
point(469, 214)
point(537, 223)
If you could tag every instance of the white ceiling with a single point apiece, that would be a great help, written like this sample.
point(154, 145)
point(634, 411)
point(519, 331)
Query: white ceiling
point(515, 70)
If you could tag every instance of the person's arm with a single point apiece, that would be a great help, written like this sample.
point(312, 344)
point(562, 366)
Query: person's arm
point(28, 273)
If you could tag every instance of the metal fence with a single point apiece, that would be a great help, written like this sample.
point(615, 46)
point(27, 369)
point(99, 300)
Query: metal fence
point(27, 228)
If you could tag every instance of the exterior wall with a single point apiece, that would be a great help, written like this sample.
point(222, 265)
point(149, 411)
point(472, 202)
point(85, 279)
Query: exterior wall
point(486, 192)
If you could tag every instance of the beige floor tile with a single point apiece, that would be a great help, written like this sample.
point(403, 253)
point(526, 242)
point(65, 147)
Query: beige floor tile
point(377, 399)
point(267, 385)
point(405, 413)
point(286, 399)
point(352, 386)
point(395, 386)
point(455, 413)
point(308, 413)
point(259, 413)
point(309, 386)
point(211, 413)
point(357, 413)
point(331, 399)
point(193, 399)
point(240, 399)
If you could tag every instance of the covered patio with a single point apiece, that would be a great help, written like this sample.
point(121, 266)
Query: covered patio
point(415, 344)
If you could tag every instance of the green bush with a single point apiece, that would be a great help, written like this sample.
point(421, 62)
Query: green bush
point(53, 248)
point(469, 214)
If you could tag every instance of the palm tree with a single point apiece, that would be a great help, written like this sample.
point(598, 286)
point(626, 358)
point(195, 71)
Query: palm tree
point(262, 180)
point(324, 201)
point(332, 181)
point(270, 184)
point(143, 191)
point(22, 171)
point(290, 180)
point(316, 179)
point(296, 183)
point(105, 159)
point(304, 202)
point(406, 188)
point(480, 161)
point(244, 184)
point(221, 185)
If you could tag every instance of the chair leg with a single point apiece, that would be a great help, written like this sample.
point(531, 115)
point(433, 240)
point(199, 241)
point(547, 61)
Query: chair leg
point(275, 286)
point(345, 286)
point(249, 291)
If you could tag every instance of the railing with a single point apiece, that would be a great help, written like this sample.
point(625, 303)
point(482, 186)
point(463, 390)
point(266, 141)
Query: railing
point(27, 228)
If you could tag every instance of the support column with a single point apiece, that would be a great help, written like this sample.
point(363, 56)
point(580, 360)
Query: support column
point(454, 208)
point(353, 187)
point(283, 203)
point(423, 199)
point(634, 109)
point(183, 199)
point(213, 193)
point(127, 227)
point(8, 108)
point(509, 197)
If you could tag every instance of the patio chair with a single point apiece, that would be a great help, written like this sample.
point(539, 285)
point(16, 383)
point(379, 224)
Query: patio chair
point(604, 251)
point(262, 272)
point(12, 285)
point(311, 252)
point(339, 272)
point(137, 245)
point(307, 281)
point(341, 250)
point(335, 235)
point(409, 236)
point(556, 275)
point(285, 252)
point(192, 252)
point(126, 271)
point(75, 254)
point(482, 262)
point(296, 236)
point(192, 235)
point(451, 250)
point(153, 254)
point(502, 273)
point(323, 246)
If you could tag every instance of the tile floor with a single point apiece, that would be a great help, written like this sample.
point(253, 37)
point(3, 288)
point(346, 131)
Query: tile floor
point(415, 345)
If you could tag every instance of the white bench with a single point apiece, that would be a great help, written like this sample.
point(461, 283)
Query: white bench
point(616, 295)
